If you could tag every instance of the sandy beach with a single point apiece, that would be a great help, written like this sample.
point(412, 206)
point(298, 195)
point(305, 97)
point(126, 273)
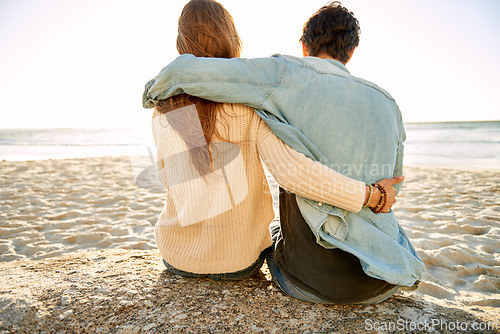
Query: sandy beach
point(77, 254)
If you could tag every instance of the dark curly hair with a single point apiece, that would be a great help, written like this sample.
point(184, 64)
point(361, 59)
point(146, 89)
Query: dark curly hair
point(333, 30)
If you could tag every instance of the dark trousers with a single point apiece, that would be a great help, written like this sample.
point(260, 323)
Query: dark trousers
point(307, 271)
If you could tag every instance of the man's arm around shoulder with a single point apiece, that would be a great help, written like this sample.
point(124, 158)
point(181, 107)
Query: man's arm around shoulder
point(235, 80)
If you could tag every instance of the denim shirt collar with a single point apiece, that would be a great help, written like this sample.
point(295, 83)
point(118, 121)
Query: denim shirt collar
point(332, 61)
point(338, 64)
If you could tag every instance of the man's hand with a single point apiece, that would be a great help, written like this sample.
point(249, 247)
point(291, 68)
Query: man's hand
point(387, 184)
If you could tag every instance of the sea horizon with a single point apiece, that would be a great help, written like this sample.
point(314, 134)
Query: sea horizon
point(468, 145)
point(131, 127)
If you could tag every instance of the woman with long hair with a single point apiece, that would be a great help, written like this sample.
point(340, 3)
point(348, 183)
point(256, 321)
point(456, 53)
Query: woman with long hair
point(218, 208)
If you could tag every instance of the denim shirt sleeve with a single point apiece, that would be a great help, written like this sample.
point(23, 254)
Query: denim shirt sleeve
point(398, 169)
point(235, 80)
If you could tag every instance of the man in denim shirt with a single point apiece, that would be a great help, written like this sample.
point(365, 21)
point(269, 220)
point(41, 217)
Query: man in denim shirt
point(323, 253)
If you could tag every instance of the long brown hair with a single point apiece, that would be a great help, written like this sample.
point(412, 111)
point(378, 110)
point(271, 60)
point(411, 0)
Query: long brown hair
point(206, 29)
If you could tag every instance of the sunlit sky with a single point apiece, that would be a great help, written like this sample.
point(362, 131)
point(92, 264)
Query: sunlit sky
point(84, 63)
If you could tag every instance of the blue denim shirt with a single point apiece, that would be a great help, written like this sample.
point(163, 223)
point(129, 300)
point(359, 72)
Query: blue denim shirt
point(317, 107)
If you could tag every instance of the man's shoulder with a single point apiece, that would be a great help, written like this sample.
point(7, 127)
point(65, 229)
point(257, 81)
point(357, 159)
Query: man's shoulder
point(322, 66)
point(373, 86)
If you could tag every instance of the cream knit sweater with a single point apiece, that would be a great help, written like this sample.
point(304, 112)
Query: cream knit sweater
point(218, 223)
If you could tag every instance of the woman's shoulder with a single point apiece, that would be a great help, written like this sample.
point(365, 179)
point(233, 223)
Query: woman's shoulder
point(237, 122)
point(237, 110)
point(238, 115)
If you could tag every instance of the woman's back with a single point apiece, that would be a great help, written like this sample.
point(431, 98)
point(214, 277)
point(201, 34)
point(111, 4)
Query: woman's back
point(213, 222)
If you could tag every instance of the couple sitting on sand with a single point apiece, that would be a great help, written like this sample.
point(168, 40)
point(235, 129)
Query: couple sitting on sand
point(332, 141)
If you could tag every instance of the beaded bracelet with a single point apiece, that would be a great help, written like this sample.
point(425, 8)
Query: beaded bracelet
point(381, 203)
point(369, 196)
point(383, 199)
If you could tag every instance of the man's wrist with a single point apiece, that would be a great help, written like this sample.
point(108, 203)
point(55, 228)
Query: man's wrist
point(375, 199)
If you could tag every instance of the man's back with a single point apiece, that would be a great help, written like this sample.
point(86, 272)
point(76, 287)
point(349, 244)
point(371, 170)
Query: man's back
point(355, 124)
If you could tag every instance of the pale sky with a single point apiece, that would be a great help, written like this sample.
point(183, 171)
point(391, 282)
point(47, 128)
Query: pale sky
point(84, 63)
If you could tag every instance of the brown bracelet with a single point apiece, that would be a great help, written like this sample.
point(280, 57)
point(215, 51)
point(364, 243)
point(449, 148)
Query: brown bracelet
point(383, 199)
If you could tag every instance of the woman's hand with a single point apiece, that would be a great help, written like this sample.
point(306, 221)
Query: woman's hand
point(387, 184)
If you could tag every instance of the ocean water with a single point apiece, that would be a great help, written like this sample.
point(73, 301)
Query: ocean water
point(462, 145)
point(35, 144)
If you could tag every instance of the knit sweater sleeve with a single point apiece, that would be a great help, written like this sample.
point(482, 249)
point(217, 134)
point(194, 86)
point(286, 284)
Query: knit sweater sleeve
point(297, 173)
